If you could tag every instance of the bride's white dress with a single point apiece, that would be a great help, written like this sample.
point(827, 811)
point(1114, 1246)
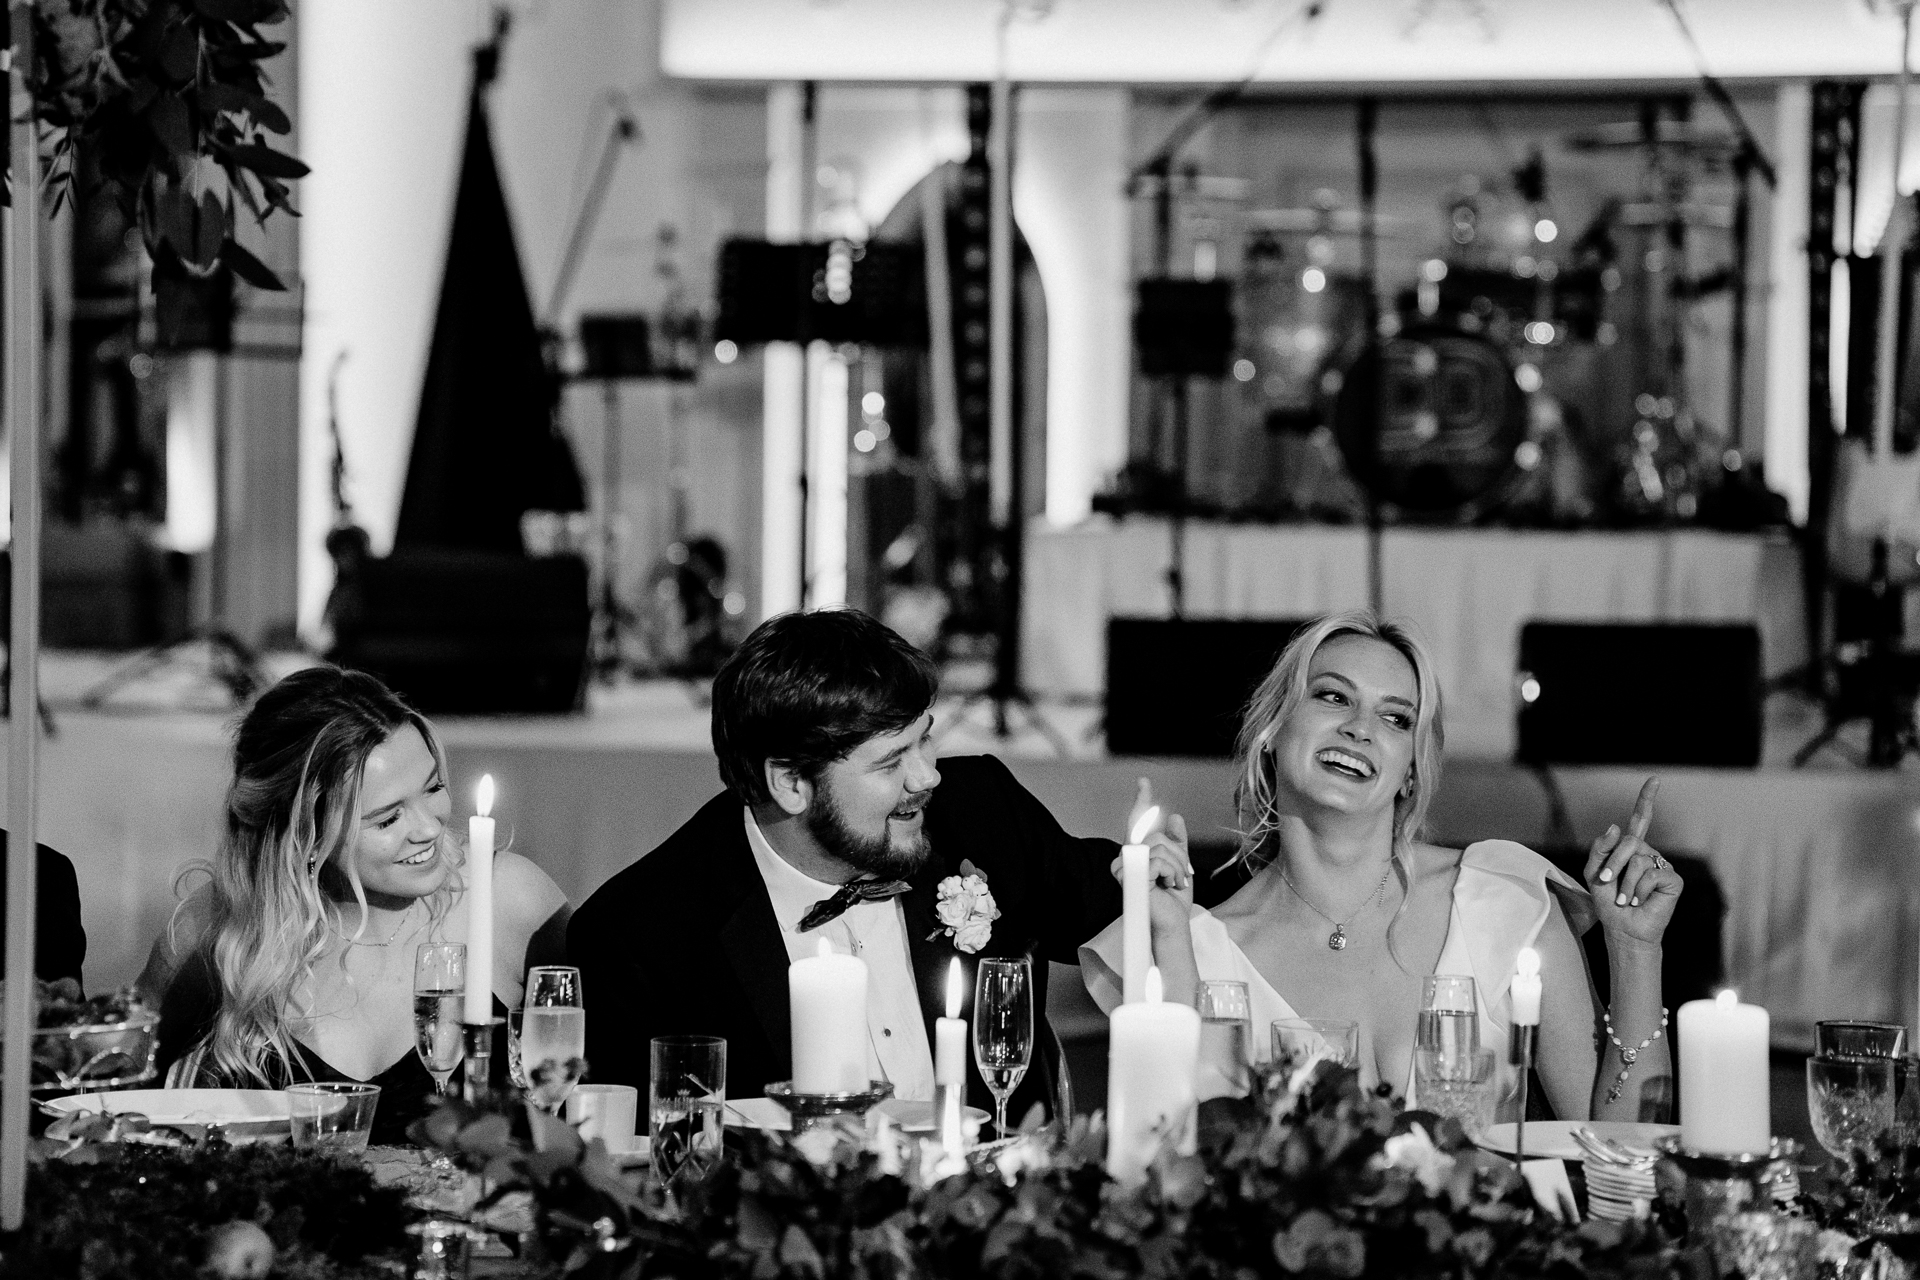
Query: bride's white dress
point(1501, 899)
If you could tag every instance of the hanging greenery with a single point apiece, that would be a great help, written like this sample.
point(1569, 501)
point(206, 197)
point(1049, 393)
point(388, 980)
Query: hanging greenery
point(169, 98)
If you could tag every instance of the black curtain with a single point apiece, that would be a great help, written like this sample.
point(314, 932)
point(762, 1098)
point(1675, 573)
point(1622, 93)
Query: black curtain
point(485, 447)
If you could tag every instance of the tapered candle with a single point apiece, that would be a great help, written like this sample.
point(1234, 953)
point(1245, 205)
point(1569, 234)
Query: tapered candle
point(1526, 988)
point(478, 1007)
point(950, 1066)
point(1152, 1060)
point(1136, 931)
point(1723, 1076)
point(827, 1000)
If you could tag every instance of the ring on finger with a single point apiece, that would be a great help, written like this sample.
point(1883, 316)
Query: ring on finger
point(1659, 862)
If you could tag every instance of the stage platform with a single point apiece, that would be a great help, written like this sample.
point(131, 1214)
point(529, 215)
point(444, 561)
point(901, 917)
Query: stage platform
point(1820, 867)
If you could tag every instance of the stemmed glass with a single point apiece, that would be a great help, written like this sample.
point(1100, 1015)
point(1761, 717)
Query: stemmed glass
point(1003, 1029)
point(1850, 1101)
point(439, 994)
point(1449, 1023)
point(553, 1034)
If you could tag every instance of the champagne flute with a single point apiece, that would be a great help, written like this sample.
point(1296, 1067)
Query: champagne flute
point(1003, 1029)
point(439, 992)
point(553, 1034)
point(1449, 1022)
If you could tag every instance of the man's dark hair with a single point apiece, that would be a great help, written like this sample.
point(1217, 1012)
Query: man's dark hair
point(805, 689)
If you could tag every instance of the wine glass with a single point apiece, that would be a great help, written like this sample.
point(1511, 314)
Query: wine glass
point(1850, 1101)
point(1003, 1029)
point(553, 1034)
point(439, 997)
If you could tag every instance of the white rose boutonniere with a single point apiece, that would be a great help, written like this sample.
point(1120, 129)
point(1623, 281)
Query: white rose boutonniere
point(966, 910)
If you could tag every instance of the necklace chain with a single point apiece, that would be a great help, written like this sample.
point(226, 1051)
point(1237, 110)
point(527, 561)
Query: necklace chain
point(405, 916)
point(1337, 940)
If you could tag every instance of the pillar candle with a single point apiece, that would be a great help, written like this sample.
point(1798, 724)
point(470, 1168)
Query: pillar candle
point(827, 996)
point(1136, 930)
point(1723, 1076)
point(950, 1067)
point(1153, 1058)
point(1526, 988)
point(478, 1007)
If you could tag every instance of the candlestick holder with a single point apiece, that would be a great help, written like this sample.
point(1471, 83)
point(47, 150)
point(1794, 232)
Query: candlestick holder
point(821, 1110)
point(1520, 1045)
point(1720, 1185)
point(476, 1042)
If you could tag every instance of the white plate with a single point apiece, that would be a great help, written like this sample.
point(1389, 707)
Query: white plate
point(1553, 1139)
point(246, 1110)
point(912, 1117)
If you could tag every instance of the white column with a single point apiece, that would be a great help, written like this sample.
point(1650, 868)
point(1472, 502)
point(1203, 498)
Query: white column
point(1786, 394)
point(827, 478)
point(782, 425)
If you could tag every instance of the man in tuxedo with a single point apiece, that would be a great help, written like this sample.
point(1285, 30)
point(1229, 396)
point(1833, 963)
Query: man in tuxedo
point(836, 824)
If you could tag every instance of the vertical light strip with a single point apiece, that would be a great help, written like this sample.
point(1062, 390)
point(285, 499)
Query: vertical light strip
point(827, 478)
point(22, 320)
point(1785, 441)
point(1000, 496)
point(783, 373)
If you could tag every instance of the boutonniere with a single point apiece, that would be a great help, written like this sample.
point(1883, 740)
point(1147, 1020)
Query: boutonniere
point(966, 910)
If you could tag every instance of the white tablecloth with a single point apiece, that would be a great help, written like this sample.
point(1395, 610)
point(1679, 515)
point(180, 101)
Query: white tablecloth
point(1468, 591)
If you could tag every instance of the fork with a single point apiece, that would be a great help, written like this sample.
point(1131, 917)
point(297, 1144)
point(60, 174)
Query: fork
point(1608, 1151)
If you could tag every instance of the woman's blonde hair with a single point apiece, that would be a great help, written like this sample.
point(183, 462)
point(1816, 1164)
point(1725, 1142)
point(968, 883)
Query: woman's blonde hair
point(293, 805)
point(1285, 688)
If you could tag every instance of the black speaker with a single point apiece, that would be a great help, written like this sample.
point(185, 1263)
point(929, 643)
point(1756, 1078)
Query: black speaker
point(1640, 693)
point(1184, 328)
point(468, 632)
point(1176, 687)
point(616, 346)
point(873, 294)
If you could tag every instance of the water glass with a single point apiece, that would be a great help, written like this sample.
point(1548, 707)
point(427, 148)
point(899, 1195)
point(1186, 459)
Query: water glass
point(686, 1093)
point(439, 999)
point(1456, 1085)
point(1003, 1029)
point(1449, 1019)
point(609, 1112)
point(334, 1116)
point(1301, 1042)
point(1850, 1101)
point(1845, 1038)
point(1226, 1035)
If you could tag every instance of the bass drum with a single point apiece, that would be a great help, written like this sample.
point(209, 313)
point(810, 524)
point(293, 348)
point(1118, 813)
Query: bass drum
point(1430, 421)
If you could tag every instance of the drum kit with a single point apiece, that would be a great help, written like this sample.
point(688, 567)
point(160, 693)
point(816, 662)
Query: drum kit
point(1527, 375)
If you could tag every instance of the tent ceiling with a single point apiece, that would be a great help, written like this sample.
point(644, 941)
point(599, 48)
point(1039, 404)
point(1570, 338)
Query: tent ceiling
point(1351, 42)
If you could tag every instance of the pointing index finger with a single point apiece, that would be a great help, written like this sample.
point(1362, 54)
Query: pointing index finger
point(1643, 810)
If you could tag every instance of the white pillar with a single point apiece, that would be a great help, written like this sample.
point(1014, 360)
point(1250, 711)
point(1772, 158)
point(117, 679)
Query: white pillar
point(1786, 394)
point(782, 425)
point(827, 478)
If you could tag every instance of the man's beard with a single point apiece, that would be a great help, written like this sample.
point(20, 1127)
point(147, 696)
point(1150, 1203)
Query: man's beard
point(876, 855)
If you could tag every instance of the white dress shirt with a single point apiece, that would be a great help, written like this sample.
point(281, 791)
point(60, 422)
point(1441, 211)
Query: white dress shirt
point(897, 1048)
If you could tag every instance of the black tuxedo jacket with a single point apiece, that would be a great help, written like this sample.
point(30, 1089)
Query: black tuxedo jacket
point(684, 941)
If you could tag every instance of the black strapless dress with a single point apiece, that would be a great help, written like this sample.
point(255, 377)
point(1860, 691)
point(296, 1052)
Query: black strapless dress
point(406, 1088)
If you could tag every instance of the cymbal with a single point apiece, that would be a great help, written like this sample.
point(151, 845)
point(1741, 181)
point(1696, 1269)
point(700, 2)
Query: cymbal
point(1676, 135)
point(1334, 222)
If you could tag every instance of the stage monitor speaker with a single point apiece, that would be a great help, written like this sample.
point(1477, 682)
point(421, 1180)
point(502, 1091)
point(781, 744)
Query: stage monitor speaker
point(1176, 687)
point(1184, 328)
point(873, 294)
point(616, 346)
point(1640, 693)
point(467, 632)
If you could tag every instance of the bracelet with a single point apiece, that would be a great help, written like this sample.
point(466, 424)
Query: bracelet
point(1628, 1056)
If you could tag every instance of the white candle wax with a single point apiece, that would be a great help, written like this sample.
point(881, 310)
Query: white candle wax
point(478, 1006)
point(1526, 988)
point(827, 995)
point(1723, 1076)
point(1152, 1060)
point(1136, 929)
point(950, 1036)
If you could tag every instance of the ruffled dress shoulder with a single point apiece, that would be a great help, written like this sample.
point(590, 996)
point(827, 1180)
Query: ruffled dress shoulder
point(1502, 898)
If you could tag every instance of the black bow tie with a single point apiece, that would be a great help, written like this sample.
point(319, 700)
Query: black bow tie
point(848, 896)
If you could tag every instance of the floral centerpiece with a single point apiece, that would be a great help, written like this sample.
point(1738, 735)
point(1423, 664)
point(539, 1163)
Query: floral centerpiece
point(1320, 1180)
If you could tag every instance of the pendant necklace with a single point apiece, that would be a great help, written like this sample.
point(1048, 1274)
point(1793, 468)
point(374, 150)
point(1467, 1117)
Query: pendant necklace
point(405, 916)
point(1337, 940)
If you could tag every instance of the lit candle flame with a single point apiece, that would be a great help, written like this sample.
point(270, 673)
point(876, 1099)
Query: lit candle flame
point(1154, 994)
point(1727, 998)
point(483, 795)
point(1143, 827)
point(1527, 963)
point(953, 988)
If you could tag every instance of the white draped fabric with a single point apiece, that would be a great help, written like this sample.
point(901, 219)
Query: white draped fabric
point(1469, 591)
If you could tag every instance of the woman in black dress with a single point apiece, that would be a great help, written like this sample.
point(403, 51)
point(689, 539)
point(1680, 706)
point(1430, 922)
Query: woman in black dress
point(292, 959)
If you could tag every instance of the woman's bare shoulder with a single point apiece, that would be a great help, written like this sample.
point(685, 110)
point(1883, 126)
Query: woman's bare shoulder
point(522, 888)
